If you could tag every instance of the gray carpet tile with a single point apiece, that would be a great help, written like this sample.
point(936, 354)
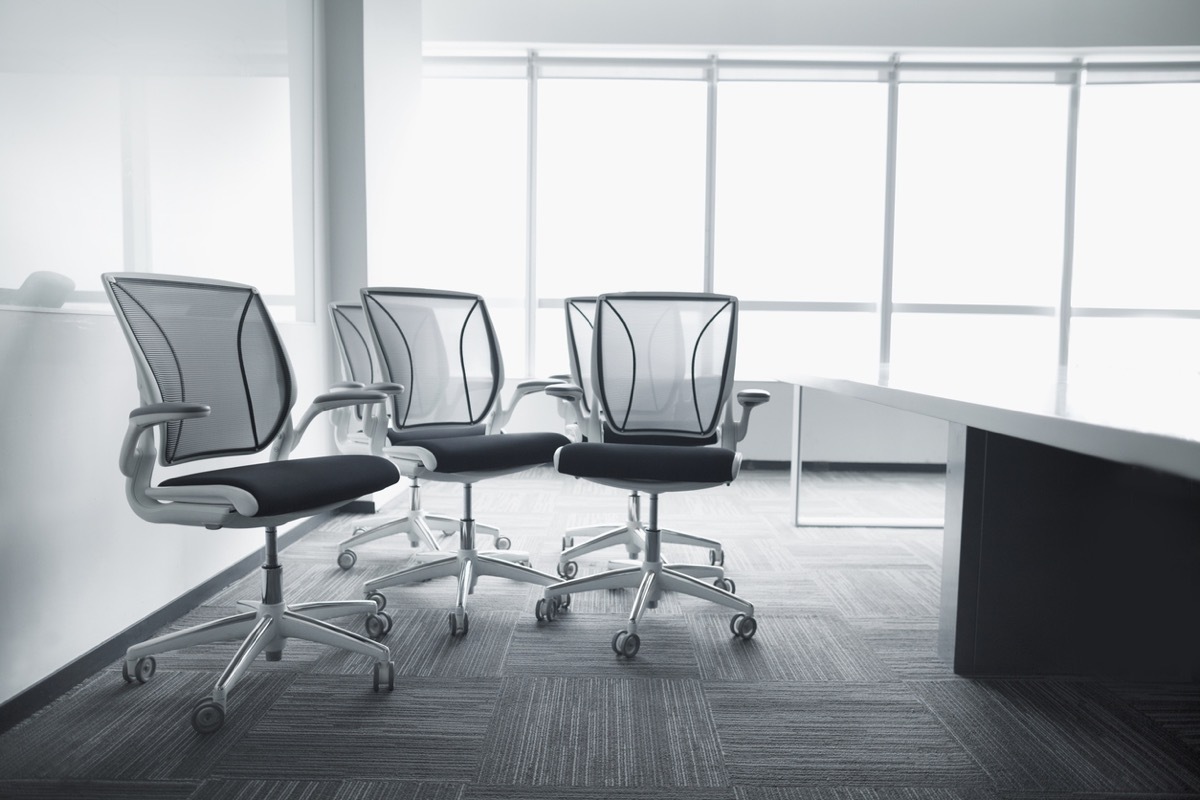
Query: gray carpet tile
point(908, 593)
point(326, 790)
point(608, 732)
point(1050, 735)
point(425, 730)
point(422, 646)
point(787, 648)
point(96, 790)
point(1174, 707)
point(596, 793)
point(860, 793)
point(835, 734)
point(909, 647)
point(842, 552)
point(580, 644)
point(108, 730)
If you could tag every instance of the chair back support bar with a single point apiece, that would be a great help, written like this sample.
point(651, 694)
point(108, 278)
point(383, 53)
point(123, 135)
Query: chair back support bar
point(210, 342)
point(663, 363)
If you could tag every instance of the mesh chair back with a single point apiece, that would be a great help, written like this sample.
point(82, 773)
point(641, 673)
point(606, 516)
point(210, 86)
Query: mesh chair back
point(353, 341)
point(581, 316)
point(663, 363)
point(208, 342)
point(442, 348)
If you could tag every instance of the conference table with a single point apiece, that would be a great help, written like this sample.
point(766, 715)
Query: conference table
point(1072, 521)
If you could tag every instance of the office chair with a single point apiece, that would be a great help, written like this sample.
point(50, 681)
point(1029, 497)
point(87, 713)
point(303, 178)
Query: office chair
point(442, 348)
point(359, 368)
point(215, 381)
point(587, 419)
point(662, 366)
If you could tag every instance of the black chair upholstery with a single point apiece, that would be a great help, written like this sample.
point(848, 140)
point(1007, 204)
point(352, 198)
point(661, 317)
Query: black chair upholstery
point(662, 367)
point(360, 369)
point(441, 346)
point(216, 382)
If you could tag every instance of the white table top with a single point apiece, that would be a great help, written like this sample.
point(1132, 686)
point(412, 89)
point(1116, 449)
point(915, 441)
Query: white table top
point(1148, 419)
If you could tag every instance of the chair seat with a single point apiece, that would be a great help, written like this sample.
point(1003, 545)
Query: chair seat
point(492, 453)
point(650, 462)
point(286, 487)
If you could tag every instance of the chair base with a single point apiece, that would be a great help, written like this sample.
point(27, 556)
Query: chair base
point(652, 578)
point(633, 536)
point(423, 530)
point(265, 630)
point(468, 565)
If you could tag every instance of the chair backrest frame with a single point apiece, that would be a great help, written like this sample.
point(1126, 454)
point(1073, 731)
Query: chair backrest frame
point(206, 341)
point(463, 387)
point(683, 393)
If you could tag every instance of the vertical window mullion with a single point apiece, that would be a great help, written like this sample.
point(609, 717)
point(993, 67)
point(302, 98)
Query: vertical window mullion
point(1068, 263)
point(889, 218)
point(710, 178)
point(531, 214)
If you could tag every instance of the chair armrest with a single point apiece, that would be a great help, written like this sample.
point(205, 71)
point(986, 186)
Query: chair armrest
point(142, 420)
point(572, 398)
point(328, 401)
point(748, 399)
point(386, 388)
point(504, 411)
point(347, 385)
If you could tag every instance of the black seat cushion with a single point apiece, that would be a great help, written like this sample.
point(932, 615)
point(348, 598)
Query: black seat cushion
point(405, 435)
point(285, 487)
point(648, 462)
point(498, 452)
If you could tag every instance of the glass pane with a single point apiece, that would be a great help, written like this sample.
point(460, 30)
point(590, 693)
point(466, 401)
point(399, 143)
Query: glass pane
point(1137, 206)
point(999, 341)
point(60, 178)
point(800, 190)
point(979, 193)
point(814, 342)
point(621, 175)
point(220, 179)
point(552, 357)
point(469, 227)
point(1170, 345)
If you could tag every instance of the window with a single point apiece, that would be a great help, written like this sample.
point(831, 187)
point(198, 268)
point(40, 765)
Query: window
point(620, 193)
point(1137, 203)
point(470, 225)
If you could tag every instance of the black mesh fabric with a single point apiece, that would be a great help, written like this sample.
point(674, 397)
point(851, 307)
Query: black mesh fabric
point(214, 344)
point(442, 348)
point(664, 363)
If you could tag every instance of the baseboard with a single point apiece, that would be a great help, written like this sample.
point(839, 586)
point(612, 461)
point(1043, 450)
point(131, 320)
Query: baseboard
point(830, 466)
point(50, 688)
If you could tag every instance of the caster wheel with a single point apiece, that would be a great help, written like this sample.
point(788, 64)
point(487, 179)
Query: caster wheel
point(388, 680)
point(380, 600)
point(208, 716)
point(545, 610)
point(503, 543)
point(626, 644)
point(378, 625)
point(346, 559)
point(143, 670)
point(457, 628)
point(564, 601)
point(359, 531)
point(568, 542)
point(725, 583)
point(716, 558)
point(568, 570)
point(743, 627)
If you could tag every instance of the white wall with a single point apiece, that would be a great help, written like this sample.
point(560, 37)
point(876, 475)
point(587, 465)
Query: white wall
point(76, 565)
